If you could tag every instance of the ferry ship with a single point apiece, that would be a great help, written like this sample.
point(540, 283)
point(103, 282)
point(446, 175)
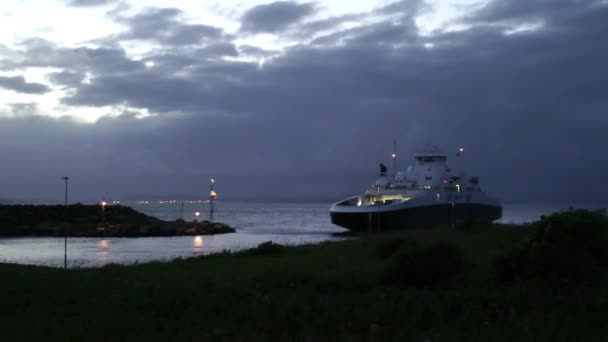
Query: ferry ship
point(427, 193)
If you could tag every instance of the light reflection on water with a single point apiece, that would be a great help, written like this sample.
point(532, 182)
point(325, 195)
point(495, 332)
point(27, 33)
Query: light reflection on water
point(197, 242)
point(103, 244)
point(255, 222)
point(86, 252)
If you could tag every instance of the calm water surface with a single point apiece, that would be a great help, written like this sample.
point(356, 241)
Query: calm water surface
point(294, 223)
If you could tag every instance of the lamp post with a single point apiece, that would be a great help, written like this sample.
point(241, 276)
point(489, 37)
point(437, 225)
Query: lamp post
point(196, 215)
point(103, 211)
point(212, 197)
point(65, 229)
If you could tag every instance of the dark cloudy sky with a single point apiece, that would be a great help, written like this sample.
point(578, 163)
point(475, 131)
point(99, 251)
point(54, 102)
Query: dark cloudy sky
point(300, 100)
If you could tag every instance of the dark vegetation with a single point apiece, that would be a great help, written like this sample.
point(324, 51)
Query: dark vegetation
point(90, 220)
point(568, 246)
point(546, 281)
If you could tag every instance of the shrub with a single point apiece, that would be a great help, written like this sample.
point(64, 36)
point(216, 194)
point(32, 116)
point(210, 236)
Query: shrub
point(513, 266)
point(567, 245)
point(546, 262)
point(469, 225)
point(430, 267)
point(571, 229)
point(599, 251)
point(268, 248)
point(388, 248)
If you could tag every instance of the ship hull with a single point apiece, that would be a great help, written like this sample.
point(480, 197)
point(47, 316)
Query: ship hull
point(368, 219)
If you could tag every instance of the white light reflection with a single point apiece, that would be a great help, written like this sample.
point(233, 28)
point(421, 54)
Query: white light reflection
point(197, 242)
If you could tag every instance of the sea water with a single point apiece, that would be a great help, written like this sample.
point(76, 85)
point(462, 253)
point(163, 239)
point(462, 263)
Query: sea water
point(283, 223)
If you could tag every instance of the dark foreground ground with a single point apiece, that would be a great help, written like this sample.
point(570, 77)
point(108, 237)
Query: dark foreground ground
point(543, 282)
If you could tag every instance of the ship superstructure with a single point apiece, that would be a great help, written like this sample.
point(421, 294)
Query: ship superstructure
point(426, 193)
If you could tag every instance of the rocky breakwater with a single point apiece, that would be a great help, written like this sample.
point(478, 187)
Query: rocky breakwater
point(92, 220)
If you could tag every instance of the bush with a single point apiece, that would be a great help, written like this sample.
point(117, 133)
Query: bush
point(388, 248)
point(545, 262)
point(572, 229)
point(599, 251)
point(268, 248)
point(430, 267)
point(469, 225)
point(567, 245)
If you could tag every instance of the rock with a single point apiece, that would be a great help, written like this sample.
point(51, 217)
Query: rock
point(85, 220)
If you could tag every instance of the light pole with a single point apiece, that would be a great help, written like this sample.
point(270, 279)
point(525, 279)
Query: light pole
point(103, 211)
point(212, 197)
point(196, 215)
point(65, 229)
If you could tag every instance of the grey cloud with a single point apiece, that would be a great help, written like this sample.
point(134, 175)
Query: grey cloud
point(496, 11)
point(400, 13)
point(275, 16)
point(404, 7)
point(255, 51)
point(399, 28)
point(314, 121)
point(157, 92)
point(23, 109)
point(19, 84)
point(90, 3)
point(320, 25)
point(66, 78)
point(220, 49)
point(42, 53)
point(164, 25)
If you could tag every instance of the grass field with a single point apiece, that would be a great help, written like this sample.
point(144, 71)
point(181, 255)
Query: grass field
point(543, 282)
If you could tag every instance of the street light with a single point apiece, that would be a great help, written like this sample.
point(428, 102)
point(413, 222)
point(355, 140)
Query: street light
point(212, 197)
point(65, 229)
point(196, 215)
point(103, 211)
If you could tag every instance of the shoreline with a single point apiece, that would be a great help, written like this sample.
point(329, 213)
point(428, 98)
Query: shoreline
point(80, 220)
point(480, 283)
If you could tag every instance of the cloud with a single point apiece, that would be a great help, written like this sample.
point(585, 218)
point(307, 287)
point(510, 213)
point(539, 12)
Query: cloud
point(90, 3)
point(164, 25)
point(314, 120)
point(275, 16)
point(18, 84)
point(40, 53)
point(250, 50)
point(66, 78)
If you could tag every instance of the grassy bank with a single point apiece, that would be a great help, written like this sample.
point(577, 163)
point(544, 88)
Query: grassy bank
point(543, 282)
